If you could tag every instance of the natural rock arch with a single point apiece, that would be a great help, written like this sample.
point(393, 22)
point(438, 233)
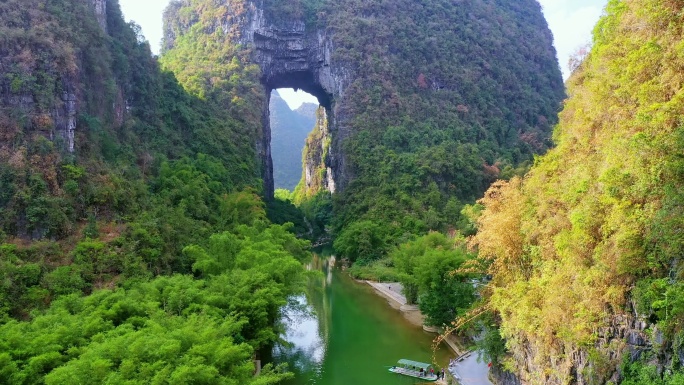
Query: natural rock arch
point(453, 82)
point(292, 56)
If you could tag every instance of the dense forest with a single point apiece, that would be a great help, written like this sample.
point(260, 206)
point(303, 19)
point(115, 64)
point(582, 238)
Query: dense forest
point(585, 250)
point(458, 100)
point(134, 245)
point(137, 244)
point(437, 107)
point(456, 103)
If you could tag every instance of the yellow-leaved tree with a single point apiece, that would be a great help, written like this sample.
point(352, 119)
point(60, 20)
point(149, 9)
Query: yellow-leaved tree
point(567, 244)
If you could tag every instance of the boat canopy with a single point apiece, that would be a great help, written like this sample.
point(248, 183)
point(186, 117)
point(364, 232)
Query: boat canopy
point(417, 364)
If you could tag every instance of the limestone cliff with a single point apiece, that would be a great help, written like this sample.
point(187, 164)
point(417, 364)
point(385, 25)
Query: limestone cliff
point(378, 64)
point(51, 80)
point(427, 102)
point(100, 7)
point(290, 55)
point(82, 101)
point(585, 251)
point(624, 337)
point(316, 174)
point(49, 83)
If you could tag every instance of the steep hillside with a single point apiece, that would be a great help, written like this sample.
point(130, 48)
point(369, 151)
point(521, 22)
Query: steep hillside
point(427, 102)
point(449, 98)
point(87, 115)
point(289, 130)
point(585, 250)
point(134, 247)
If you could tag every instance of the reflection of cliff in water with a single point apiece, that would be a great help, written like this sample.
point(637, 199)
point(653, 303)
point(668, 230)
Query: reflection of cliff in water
point(318, 293)
point(306, 322)
point(342, 333)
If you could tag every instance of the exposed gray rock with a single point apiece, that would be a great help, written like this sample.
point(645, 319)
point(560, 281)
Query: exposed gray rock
point(68, 124)
point(315, 159)
point(22, 101)
point(502, 377)
point(62, 113)
point(624, 334)
point(101, 12)
point(291, 55)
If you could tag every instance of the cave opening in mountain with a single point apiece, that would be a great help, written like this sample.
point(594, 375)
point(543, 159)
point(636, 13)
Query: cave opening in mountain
point(297, 138)
point(294, 58)
point(292, 117)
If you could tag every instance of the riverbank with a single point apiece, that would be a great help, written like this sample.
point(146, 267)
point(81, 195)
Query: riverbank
point(467, 370)
point(342, 333)
point(392, 292)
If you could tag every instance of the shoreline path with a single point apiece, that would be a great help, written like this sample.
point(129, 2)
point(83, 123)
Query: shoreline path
point(468, 371)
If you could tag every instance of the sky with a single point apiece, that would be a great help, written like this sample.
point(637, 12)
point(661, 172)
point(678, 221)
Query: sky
point(571, 22)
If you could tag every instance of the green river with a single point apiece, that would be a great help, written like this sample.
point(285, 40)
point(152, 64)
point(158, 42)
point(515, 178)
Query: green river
point(343, 333)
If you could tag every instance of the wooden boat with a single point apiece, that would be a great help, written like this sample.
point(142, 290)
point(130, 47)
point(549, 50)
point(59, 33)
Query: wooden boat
point(414, 369)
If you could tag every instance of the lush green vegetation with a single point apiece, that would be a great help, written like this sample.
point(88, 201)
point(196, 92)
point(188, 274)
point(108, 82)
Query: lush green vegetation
point(209, 64)
point(170, 300)
point(47, 192)
point(314, 160)
point(593, 231)
point(432, 270)
point(642, 374)
point(437, 115)
point(204, 328)
point(145, 255)
point(281, 12)
point(436, 119)
point(437, 109)
point(428, 271)
point(281, 210)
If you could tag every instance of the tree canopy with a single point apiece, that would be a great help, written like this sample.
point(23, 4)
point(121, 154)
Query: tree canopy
point(593, 232)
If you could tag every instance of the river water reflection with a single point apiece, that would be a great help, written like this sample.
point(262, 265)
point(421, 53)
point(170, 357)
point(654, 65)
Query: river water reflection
point(341, 333)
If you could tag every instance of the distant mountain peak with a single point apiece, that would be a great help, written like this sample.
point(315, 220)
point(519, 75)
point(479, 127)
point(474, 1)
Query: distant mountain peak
point(307, 110)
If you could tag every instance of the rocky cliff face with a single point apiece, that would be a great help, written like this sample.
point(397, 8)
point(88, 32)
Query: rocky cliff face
point(81, 107)
point(626, 334)
point(390, 64)
point(290, 55)
point(44, 80)
point(584, 291)
point(100, 7)
point(58, 121)
point(317, 174)
point(76, 86)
